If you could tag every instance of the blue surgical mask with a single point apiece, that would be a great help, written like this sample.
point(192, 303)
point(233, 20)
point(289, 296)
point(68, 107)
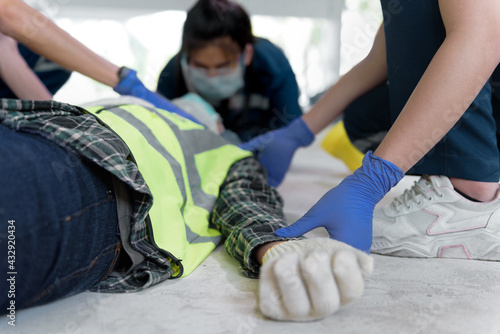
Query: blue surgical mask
point(213, 88)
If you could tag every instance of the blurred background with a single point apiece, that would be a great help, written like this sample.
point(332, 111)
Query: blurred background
point(321, 38)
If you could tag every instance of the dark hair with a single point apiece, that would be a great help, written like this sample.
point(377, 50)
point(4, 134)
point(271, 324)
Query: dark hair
point(210, 20)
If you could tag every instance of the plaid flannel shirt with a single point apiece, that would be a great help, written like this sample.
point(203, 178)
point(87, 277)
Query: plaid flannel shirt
point(247, 211)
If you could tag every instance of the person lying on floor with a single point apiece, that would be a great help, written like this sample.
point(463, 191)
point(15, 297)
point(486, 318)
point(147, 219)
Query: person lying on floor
point(76, 205)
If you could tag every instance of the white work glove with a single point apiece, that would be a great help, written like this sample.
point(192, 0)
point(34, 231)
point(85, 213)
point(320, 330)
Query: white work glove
point(311, 279)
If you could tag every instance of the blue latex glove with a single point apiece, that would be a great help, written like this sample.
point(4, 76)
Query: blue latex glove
point(275, 149)
point(131, 85)
point(346, 211)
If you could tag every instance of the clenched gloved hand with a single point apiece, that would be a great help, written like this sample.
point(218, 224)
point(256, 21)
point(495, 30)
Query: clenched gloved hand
point(131, 85)
point(311, 279)
point(346, 211)
point(275, 149)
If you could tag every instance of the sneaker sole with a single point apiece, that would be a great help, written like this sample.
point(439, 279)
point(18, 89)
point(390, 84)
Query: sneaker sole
point(470, 245)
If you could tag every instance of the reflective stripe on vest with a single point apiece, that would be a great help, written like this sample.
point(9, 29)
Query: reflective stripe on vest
point(184, 165)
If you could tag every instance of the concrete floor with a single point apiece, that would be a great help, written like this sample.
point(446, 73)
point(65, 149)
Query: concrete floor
point(402, 296)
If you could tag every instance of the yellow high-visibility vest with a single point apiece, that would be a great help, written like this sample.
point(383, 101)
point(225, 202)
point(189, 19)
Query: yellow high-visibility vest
point(184, 165)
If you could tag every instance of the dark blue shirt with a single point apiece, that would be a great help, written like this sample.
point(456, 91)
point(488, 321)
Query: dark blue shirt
point(268, 101)
point(52, 75)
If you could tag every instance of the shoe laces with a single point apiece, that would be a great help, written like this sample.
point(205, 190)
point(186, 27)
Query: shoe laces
point(420, 187)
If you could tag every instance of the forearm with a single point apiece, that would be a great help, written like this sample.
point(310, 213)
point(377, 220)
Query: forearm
point(19, 77)
point(247, 212)
point(363, 77)
point(34, 30)
point(457, 73)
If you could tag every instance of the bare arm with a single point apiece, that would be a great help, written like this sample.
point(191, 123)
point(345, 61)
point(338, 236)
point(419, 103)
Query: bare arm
point(456, 74)
point(369, 73)
point(17, 75)
point(34, 30)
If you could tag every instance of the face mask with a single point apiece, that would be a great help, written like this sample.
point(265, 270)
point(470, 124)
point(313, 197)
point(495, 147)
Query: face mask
point(215, 88)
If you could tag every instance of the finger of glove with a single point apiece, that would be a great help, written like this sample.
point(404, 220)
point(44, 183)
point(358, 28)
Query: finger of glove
point(320, 282)
point(365, 263)
point(270, 301)
point(348, 276)
point(291, 287)
point(300, 227)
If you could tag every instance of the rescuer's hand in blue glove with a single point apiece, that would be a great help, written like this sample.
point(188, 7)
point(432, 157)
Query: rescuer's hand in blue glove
point(131, 85)
point(275, 149)
point(346, 211)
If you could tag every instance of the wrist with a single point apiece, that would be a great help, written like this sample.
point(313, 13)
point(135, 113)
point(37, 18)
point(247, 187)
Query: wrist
point(299, 129)
point(261, 250)
point(378, 174)
point(122, 73)
point(128, 81)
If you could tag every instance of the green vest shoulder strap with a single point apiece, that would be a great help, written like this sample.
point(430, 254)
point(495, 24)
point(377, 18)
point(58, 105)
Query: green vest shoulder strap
point(184, 165)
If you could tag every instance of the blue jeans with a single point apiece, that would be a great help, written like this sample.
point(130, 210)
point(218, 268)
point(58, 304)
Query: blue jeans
point(65, 223)
point(414, 31)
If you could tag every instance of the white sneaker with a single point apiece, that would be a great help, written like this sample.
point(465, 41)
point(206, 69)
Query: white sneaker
point(433, 220)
